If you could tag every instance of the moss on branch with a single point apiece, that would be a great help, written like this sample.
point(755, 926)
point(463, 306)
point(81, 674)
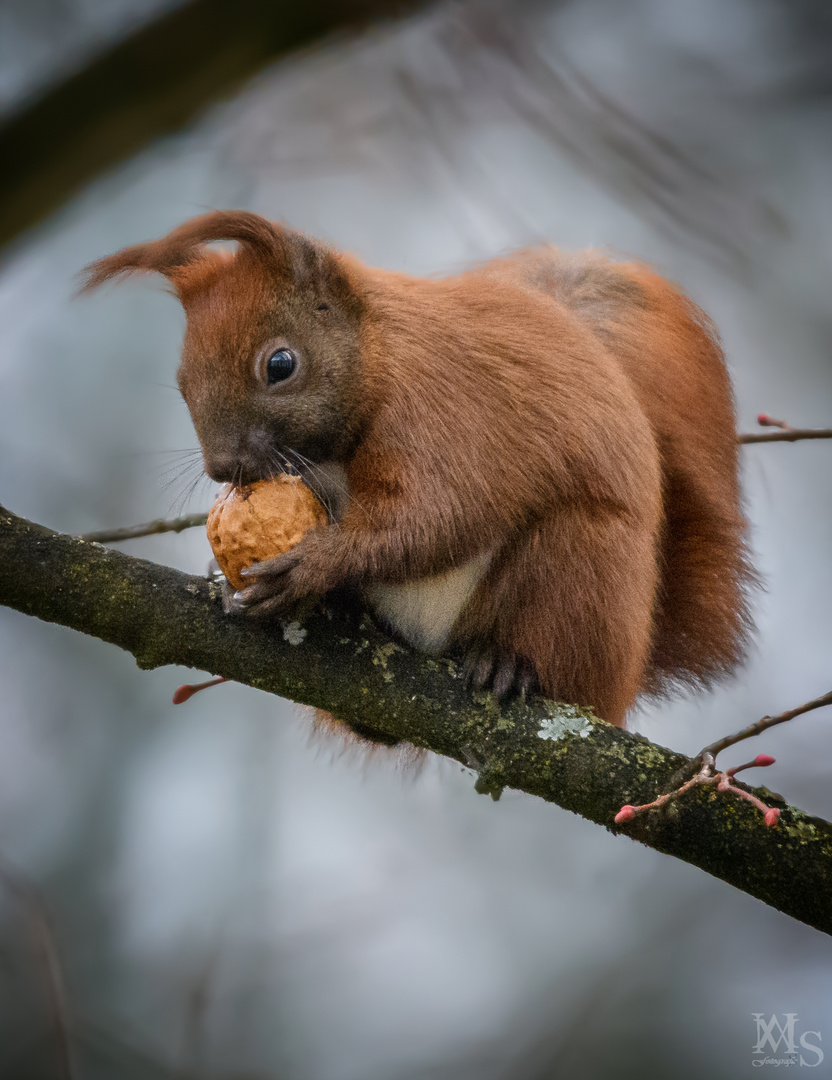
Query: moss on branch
point(348, 667)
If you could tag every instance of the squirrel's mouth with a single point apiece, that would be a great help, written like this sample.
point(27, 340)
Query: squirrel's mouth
point(241, 454)
point(244, 469)
point(227, 469)
point(245, 459)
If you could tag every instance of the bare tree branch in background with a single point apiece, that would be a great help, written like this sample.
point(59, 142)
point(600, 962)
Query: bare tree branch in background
point(685, 195)
point(478, 57)
point(147, 86)
point(472, 65)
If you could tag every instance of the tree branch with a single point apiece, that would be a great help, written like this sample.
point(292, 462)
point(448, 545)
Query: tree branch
point(558, 752)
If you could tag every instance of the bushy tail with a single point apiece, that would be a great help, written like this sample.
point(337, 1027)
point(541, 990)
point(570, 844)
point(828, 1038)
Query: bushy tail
point(703, 621)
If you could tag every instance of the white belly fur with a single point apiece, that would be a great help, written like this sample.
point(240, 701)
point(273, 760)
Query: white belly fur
point(424, 612)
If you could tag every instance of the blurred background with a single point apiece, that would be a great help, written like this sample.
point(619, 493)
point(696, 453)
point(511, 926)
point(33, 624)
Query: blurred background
point(226, 898)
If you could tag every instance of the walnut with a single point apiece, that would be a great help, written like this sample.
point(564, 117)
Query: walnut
point(251, 524)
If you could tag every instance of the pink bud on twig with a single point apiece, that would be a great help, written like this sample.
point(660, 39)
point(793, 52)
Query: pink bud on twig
point(772, 815)
point(764, 420)
point(759, 761)
point(189, 689)
point(626, 813)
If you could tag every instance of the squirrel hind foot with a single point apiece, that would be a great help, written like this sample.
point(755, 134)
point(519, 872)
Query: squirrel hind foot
point(505, 675)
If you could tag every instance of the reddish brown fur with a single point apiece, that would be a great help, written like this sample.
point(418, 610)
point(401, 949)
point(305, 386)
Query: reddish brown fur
point(568, 413)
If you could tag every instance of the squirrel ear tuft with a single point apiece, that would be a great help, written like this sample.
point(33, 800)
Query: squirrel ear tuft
point(184, 245)
point(327, 272)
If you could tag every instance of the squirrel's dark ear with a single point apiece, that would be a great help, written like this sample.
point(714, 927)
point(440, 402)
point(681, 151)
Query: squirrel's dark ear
point(184, 245)
point(325, 271)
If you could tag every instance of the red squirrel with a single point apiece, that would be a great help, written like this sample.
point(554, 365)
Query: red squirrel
point(531, 464)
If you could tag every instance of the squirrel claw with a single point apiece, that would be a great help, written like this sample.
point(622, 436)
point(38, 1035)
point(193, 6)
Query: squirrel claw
point(506, 676)
point(231, 601)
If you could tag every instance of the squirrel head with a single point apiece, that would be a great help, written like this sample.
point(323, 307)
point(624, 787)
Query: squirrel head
point(271, 364)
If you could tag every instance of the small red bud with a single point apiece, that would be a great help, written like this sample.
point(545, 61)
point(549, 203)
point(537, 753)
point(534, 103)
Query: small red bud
point(764, 759)
point(772, 815)
point(189, 689)
point(763, 419)
point(626, 813)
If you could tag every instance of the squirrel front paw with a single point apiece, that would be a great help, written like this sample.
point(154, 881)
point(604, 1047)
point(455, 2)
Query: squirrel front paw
point(277, 586)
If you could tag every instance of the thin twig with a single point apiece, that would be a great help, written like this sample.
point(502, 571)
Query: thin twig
point(30, 900)
point(762, 725)
point(131, 532)
point(724, 779)
point(184, 693)
point(785, 435)
point(709, 774)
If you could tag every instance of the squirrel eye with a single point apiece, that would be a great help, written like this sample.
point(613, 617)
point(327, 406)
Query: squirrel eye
point(280, 366)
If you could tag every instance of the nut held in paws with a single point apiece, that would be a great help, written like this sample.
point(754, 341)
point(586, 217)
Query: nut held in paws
point(251, 524)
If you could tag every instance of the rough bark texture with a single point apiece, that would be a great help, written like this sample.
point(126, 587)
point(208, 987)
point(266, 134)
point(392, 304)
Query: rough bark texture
point(560, 753)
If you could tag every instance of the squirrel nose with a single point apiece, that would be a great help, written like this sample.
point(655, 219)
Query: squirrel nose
point(239, 460)
point(223, 468)
point(227, 468)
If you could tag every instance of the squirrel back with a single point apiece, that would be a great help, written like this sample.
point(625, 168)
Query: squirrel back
point(671, 353)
